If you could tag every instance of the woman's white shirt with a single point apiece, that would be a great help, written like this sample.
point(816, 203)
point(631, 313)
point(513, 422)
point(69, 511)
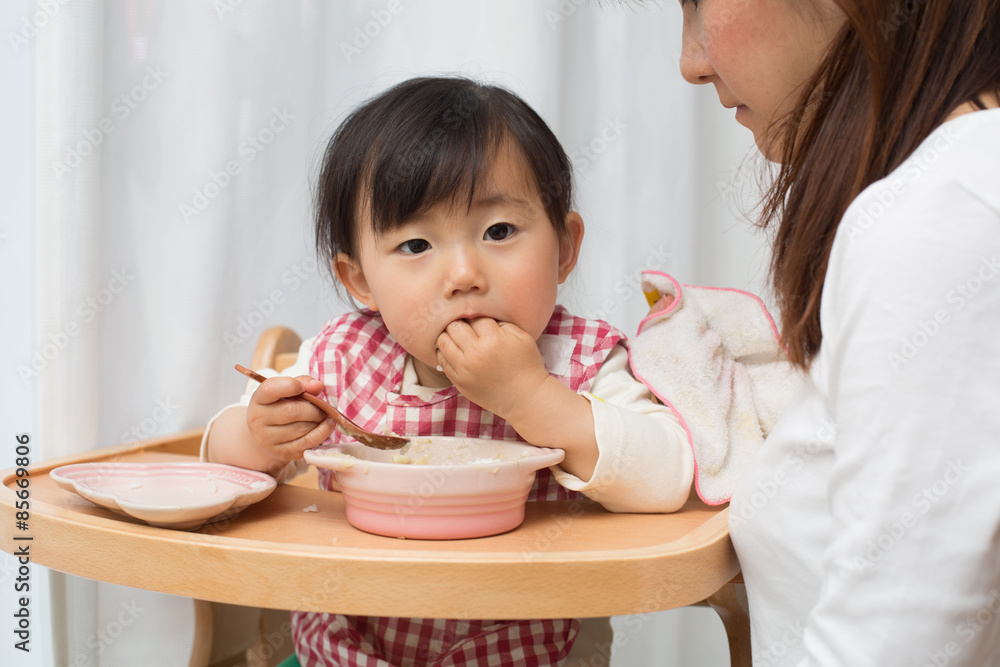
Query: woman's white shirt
point(868, 527)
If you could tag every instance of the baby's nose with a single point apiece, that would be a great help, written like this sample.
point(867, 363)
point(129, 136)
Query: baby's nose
point(464, 273)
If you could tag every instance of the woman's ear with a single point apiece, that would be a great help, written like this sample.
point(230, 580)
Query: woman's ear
point(351, 276)
point(569, 245)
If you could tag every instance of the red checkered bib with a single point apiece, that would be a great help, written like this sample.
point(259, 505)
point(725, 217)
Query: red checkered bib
point(362, 365)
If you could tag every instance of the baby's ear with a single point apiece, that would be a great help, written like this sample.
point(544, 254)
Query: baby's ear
point(350, 275)
point(569, 245)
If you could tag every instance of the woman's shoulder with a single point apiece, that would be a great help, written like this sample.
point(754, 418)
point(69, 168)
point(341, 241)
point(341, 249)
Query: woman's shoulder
point(952, 174)
point(923, 230)
point(943, 196)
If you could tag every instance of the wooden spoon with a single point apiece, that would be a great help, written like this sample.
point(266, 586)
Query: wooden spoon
point(343, 423)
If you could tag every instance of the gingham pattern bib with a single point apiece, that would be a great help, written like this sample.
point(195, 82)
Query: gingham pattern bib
point(362, 365)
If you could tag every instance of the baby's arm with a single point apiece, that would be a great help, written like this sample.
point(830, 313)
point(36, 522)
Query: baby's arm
point(285, 427)
point(273, 430)
point(646, 463)
point(498, 366)
point(623, 449)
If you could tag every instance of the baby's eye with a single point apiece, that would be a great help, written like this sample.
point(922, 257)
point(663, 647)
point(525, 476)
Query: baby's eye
point(499, 231)
point(414, 247)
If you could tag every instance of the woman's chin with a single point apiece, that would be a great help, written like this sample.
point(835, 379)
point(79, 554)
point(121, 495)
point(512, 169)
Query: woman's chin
point(769, 148)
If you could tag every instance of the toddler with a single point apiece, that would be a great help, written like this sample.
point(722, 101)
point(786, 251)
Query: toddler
point(444, 210)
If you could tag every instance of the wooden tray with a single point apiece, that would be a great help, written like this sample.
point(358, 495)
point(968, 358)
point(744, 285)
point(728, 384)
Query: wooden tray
point(568, 559)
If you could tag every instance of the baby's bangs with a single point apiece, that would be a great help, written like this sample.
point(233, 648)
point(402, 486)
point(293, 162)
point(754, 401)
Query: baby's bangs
point(440, 152)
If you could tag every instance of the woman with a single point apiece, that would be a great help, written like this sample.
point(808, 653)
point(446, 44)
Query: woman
point(868, 526)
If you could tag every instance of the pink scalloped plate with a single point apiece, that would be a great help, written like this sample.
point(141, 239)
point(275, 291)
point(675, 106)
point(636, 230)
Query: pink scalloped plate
point(438, 488)
point(182, 496)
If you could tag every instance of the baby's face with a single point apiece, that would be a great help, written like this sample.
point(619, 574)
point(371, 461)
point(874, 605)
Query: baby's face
point(500, 259)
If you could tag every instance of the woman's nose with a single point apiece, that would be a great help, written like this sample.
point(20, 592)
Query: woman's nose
point(695, 67)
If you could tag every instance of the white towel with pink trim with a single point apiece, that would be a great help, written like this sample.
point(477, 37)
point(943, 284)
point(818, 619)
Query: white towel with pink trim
point(715, 359)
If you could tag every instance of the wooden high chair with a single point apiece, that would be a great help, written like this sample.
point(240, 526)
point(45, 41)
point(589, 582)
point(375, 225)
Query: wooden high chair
point(257, 637)
point(229, 635)
point(275, 556)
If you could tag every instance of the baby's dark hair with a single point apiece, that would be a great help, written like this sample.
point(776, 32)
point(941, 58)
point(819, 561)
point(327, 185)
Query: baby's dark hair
point(426, 141)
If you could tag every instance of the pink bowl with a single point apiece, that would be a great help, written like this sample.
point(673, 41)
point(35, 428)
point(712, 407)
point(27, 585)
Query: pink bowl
point(441, 489)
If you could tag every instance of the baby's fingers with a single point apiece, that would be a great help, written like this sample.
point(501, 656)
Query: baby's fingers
point(315, 436)
point(449, 352)
point(291, 440)
point(311, 385)
point(283, 412)
point(443, 363)
point(457, 336)
point(274, 389)
point(662, 304)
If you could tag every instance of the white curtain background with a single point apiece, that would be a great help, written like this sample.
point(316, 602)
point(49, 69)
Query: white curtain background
point(158, 166)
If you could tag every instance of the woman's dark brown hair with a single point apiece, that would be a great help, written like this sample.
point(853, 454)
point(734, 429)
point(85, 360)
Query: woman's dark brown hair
point(894, 73)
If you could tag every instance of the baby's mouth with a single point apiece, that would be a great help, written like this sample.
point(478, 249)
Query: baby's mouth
point(469, 318)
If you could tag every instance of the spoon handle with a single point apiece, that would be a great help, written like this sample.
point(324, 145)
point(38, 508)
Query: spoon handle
point(346, 425)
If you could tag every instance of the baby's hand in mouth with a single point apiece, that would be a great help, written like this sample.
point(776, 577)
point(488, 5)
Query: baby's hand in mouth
point(493, 364)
